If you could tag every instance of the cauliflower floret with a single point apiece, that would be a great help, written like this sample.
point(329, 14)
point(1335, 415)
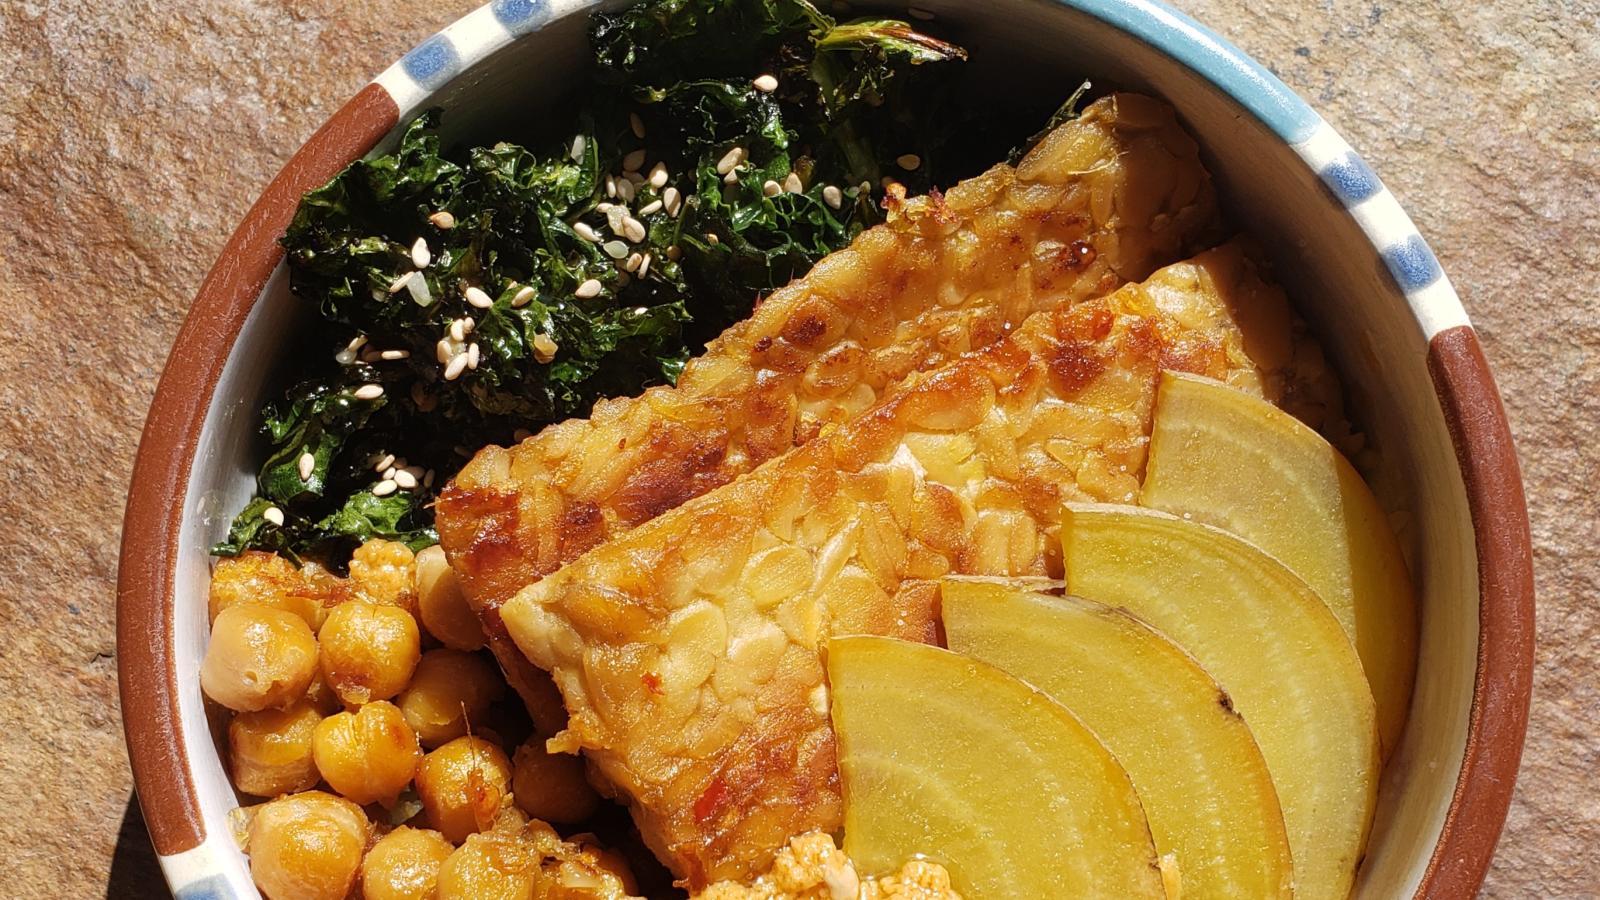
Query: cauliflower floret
point(812, 867)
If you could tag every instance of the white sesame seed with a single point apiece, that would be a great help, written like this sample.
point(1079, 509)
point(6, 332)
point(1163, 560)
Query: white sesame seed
point(771, 188)
point(729, 160)
point(586, 231)
point(458, 330)
point(615, 249)
point(579, 144)
point(633, 161)
point(405, 480)
point(384, 488)
point(644, 265)
point(659, 176)
point(368, 392)
point(479, 298)
point(791, 183)
point(765, 84)
point(640, 310)
point(602, 206)
point(671, 199)
point(420, 257)
point(866, 187)
point(344, 357)
point(626, 191)
point(917, 13)
point(383, 463)
point(653, 206)
point(632, 262)
point(400, 281)
point(457, 365)
point(637, 124)
point(731, 178)
point(544, 349)
point(392, 355)
point(590, 288)
point(467, 324)
point(711, 239)
point(379, 295)
point(443, 350)
point(418, 286)
point(306, 465)
point(443, 220)
point(274, 515)
point(521, 297)
point(388, 473)
point(908, 161)
point(427, 478)
point(832, 196)
point(472, 355)
point(611, 186)
point(614, 217)
point(633, 229)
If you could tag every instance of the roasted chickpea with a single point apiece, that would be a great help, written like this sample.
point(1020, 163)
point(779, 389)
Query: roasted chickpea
point(368, 755)
point(404, 865)
point(462, 785)
point(441, 604)
point(449, 692)
point(551, 786)
point(368, 651)
point(490, 866)
point(307, 846)
point(271, 749)
point(259, 657)
point(384, 572)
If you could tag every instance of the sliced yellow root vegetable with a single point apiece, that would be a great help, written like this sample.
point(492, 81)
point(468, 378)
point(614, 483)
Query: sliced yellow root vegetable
point(953, 758)
point(1226, 458)
point(1281, 655)
point(1202, 780)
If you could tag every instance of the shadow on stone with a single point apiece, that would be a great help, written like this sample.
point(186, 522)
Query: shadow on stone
point(135, 873)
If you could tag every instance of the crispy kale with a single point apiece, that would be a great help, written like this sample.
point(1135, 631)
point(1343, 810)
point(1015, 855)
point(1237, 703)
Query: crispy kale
point(494, 290)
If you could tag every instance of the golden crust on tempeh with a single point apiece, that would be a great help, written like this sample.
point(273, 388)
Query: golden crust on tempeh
point(688, 649)
point(1103, 199)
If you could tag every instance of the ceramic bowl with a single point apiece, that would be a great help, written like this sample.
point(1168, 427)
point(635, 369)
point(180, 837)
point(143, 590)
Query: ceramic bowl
point(1351, 258)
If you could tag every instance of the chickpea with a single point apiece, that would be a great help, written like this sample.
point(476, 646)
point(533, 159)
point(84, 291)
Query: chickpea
point(463, 785)
point(384, 572)
point(551, 786)
point(494, 865)
point(368, 755)
point(404, 865)
point(442, 605)
point(307, 846)
point(271, 749)
point(449, 692)
point(368, 651)
point(258, 657)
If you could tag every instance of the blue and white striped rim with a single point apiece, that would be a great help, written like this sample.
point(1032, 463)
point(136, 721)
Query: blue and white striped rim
point(435, 61)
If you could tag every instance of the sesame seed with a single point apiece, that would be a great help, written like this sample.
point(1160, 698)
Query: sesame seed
point(392, 355)
point(590, 288)
point(731, 178)
point(791, 183)
point(458, 330)
point(832, 196)
point(729, 160)
point(521, 297)
point(479, 298)
point(626, 191)
point(307, 464)
point(917, 13)
point(405, 480)
point(586, 231)
point(472, 355)
point(344, 357)
point(418, 286)
point(274, 515)
point(908, 161)
point(387, 473)
point(644, 265)
point(866, 187)
point(632, 262)
point(384, 488)
point(614, 217)
point(671, 199)
point(653, 206)
point(467, 324)
point(401, 280)
point(442, 220)
point(368, 392)
point(420, 257)
point(458, 364)
point(637, 124)
point(443, 350)
point(615, 249)
point(765, 84)
point(579, 144)
point(611, 186)
point(427, 479)
point(544, 349)
point(659, 176)
point(633, 161)
point(770, 188)
point(640, 310)
point(633, 229)
point(711, 239)
point(384, 462)
point(602, 206)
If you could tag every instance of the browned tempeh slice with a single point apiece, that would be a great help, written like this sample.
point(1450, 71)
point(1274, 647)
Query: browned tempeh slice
point(1104, 199)
point(688, 649)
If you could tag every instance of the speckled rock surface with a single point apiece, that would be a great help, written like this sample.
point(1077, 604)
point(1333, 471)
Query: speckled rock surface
point(133, 137)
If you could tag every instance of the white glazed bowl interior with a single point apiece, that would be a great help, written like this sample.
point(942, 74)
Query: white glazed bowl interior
point(1336, 278)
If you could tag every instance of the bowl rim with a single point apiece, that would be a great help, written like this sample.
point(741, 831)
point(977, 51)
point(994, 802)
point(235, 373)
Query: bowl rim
point(1468, 398)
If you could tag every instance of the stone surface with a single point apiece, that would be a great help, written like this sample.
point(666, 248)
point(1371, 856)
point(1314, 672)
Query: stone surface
point(133, 137)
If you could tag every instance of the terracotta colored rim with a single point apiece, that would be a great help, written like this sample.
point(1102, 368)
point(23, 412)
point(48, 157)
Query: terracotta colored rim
point(146, 570)
point(1465, 388)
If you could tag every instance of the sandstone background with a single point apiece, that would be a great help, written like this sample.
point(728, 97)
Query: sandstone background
point(134, 135)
